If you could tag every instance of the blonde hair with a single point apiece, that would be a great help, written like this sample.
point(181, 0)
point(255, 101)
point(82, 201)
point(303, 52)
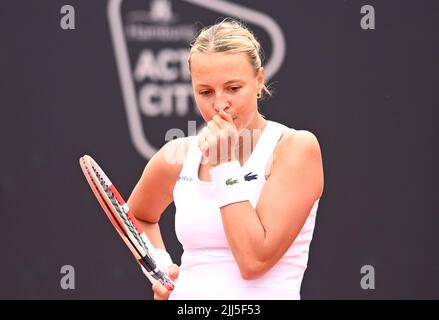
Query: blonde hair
point(230, 36)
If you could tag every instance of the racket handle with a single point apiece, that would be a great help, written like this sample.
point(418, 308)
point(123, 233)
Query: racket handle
point(167, 282)
point(160, 276)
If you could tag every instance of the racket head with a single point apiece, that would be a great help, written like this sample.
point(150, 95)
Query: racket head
point(99, 192)
point(123, 220)
point(112, 206)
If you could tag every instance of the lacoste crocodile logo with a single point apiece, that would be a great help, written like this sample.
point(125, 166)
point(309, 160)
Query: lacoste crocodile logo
point(249, 176)
point(231, 181)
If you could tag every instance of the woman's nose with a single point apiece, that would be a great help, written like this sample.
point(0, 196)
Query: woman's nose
point(221, 105)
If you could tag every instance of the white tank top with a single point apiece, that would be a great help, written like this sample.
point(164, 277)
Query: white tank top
point(208, 269)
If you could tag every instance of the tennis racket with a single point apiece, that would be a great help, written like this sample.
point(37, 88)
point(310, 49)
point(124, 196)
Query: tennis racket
point(123, 221)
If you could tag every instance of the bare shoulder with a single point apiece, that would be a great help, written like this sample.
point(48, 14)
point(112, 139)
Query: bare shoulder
point(160, 175)
point(172, 155)
point(297, 141)
point(175, 150)
point(295, 146)
point(298, 153)
point(153, 192)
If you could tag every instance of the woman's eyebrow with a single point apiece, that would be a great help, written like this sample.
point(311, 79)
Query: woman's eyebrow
point(226, 83)
point(234, 80)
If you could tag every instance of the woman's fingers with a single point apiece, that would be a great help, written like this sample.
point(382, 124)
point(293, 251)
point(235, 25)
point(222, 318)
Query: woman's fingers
point(226, 117)
point(209, 135)
point(217, 140)
point(173, 271)
point(202, 143)
point(214, 126)
point(160, 292)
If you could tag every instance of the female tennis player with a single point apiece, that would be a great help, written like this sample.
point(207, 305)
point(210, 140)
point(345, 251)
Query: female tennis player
point(247, 192)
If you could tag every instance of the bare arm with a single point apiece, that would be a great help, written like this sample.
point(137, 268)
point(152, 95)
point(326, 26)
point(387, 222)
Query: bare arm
point(259, 238)
point(153, 192)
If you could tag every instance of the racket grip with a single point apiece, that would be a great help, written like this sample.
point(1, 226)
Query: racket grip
point(160, 276)
point(167, 282)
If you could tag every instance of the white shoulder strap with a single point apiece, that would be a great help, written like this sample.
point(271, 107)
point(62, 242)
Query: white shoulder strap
point(263, 152)
point(193, 158)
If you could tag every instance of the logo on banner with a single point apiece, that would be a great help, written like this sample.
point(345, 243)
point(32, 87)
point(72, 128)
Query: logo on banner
point(151, 44)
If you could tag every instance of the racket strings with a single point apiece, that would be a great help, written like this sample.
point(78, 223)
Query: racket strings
point(123, 215)
point(89, 174)
point(147, 261)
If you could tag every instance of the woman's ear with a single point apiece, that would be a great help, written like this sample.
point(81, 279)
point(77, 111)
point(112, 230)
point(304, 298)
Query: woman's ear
point(261, 78)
